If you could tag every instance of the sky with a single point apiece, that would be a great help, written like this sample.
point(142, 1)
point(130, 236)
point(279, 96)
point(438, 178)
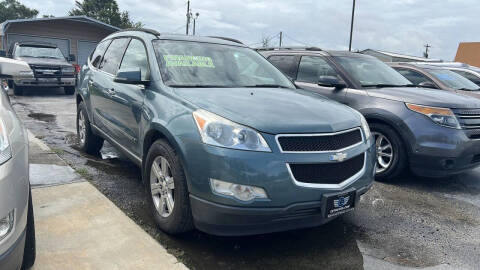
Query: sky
point(401, 26)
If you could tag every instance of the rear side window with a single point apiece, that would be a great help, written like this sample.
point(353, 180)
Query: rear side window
point(413, 76)
point(312, 68)
point(113, 55)
point(98, 52)
point(285, 63)
point(136, 57)
point(469, 76)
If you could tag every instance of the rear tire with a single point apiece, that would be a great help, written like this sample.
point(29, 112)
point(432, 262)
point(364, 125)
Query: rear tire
point(88, 141)
point(17, 90)
point(30, 252)
point(69, 90)
point(177, 218)
point(391, 153)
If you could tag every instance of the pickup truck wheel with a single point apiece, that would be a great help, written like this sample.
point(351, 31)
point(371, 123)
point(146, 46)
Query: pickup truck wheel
point(17, 90)
point(29, 253)
point(391, 155)
point(166, 186)
point(89, 142)
point(69, 90)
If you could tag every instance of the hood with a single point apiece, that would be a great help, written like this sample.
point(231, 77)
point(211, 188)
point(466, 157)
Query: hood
point(45, 61)
point(274, 110)
point(475, 94)
point(426, 96)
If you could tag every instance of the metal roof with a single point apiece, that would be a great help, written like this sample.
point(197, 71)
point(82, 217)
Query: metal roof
point(82, 18)
point(417, 58)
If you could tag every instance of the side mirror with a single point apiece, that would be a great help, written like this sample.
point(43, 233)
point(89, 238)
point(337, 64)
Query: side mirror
point(3, 53)
point(331, 81)
point(427, 84)
point(10, 68)
point(71, 58)
point(129, 76)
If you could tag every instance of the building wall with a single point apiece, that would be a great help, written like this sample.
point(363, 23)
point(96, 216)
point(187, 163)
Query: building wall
point(469, 52)
point(74, 31)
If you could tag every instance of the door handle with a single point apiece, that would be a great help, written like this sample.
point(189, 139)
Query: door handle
point(111, 91)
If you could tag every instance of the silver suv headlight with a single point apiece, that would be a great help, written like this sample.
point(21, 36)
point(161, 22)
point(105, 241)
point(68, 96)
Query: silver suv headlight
point(5, 151)
point(218, 131)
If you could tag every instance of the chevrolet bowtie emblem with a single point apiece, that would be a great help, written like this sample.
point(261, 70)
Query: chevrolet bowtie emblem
point(338, 157)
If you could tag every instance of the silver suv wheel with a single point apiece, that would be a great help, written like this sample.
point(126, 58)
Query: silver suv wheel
point(162, 186)
point(384, 152)
point(82, 128)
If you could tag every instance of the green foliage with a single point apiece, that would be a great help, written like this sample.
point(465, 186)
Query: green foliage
point(12, 9)
point(106, 11)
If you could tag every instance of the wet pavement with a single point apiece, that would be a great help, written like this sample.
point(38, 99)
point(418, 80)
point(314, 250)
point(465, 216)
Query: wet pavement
point(413, 222)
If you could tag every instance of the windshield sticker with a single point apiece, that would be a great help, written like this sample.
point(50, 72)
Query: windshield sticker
point(173, 60)
point(445, 77)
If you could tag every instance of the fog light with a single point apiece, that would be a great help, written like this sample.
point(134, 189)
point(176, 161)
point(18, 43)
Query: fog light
point(6, 225)
point(237, 191)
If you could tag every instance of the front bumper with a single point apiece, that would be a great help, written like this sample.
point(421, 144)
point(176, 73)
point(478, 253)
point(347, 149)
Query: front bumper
point(13, 257)
point(47, 82)
point(439, 151)
point(289, 206)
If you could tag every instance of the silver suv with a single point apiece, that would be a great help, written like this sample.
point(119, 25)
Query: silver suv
point(17, 230)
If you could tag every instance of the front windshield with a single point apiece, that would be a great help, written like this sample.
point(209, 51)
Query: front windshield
point(371, 72)
point(453, 80)
point(196, 64)
point(39, 52)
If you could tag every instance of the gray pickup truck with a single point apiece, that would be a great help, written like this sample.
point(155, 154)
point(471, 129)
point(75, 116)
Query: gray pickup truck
point(50, 67)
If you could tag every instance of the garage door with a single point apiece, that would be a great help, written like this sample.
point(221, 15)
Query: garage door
point(63, 44)
point(85, 48)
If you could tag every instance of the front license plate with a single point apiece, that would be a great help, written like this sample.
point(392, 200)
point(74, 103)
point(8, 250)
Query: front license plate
point(340, 204)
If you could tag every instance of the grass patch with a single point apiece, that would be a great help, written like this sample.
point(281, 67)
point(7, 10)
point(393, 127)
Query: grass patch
point(83, 172)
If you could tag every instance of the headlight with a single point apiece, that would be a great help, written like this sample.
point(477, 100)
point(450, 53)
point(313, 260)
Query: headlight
point(442, 116)
point(218, 131)
point(5, 151)
point(6, 225)
point(26, 73)
point(241, 192)
point(68, 70)
point(365, 127)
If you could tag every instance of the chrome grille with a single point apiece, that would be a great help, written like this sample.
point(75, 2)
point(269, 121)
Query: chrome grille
point(469, 121)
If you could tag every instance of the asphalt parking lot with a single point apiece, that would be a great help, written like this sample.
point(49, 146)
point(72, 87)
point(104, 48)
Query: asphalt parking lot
point(412, 222)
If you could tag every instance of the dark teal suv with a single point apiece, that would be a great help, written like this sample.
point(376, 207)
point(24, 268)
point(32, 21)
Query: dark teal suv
point(225, 141)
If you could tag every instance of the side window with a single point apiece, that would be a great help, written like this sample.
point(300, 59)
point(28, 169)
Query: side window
point(312, 68)
point(136, 57)
point(413, 76)
point(468, 75)
point(113, 55)
point(285, 63)
point(97, 54)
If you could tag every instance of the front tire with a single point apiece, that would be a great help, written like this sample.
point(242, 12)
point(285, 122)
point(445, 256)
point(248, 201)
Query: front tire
point(30, 252)
point(88, 141)
point(391, 154)
point(166, 188)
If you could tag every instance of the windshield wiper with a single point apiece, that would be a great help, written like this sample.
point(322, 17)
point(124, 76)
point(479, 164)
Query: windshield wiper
point(267, 86)
point(199, 86)
point(468, 89)
point(382, 85)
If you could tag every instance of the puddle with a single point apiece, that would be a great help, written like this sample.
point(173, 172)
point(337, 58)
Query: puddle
point(43, 117)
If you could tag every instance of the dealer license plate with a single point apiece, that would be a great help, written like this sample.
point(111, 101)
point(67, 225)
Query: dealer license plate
point(340, 204)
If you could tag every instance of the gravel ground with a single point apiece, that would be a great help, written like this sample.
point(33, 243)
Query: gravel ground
point(413, 222)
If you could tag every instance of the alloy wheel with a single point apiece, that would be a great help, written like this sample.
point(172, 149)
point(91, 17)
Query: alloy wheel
point(162, 186)
point(384, 152)
point(82, 128)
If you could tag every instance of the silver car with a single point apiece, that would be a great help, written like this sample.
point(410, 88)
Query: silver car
point(17, 232)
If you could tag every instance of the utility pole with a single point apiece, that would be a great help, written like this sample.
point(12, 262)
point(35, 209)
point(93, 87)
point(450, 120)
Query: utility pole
point(427, 46)
point(280, 40)
point(194, 22)
point(188, 17)
point(351, 27)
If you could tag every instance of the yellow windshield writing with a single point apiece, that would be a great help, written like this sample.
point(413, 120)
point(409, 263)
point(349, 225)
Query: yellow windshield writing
point(173, 60)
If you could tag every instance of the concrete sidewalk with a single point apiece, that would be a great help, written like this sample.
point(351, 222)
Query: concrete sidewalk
point(77, 227)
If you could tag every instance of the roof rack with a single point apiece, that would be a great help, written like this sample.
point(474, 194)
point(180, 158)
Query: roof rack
point(305, 48)
point(145, 30)
point(227, 39)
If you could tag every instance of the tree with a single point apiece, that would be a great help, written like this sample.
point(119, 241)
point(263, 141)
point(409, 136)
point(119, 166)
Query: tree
point(12, 9)
point(106, 11)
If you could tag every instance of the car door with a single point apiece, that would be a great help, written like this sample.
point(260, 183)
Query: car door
point(310, 70)
point(104, 97)
point(128, 99)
